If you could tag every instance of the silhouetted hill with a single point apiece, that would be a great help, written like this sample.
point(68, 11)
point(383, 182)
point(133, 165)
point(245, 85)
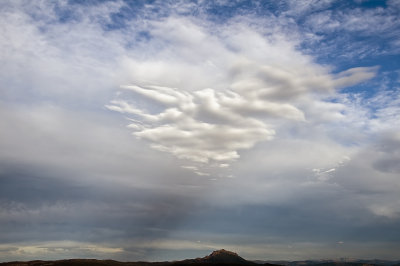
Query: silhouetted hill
point(342, 264)
point(224, 256)
point(217, 258)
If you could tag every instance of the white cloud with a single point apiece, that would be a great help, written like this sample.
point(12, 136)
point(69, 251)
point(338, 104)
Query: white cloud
point(47, 60)
point(199, 126)
point(210, 92)
point(202, 92)
point(355, 75)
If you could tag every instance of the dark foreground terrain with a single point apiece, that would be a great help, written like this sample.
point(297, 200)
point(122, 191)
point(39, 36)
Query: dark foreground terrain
point(219, 257)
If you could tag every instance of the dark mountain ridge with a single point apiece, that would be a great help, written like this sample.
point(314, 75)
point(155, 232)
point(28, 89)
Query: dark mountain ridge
point(219, 257)
point(339, 262)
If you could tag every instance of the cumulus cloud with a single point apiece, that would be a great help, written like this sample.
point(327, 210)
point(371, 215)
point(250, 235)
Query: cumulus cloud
point(202, 126)
point(224, 89)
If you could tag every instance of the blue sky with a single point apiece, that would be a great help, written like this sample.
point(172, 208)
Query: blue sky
point(160, 130)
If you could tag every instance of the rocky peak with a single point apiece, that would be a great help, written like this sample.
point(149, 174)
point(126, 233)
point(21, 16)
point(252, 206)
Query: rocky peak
point(224, 256)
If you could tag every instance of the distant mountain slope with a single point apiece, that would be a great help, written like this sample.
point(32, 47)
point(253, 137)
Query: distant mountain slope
point(224, 256)
point(347, 262)
point(217, 258)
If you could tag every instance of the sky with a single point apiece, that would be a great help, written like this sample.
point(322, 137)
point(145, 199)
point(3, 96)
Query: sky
point(164, 130)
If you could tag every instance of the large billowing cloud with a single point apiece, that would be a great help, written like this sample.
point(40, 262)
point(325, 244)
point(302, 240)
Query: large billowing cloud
point(206, 94)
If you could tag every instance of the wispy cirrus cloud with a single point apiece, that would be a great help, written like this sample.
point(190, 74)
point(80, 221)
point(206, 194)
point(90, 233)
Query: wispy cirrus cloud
point(343, 31)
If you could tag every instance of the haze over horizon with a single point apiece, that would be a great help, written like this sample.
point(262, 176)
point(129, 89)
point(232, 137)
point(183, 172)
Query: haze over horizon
point(163, 130)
